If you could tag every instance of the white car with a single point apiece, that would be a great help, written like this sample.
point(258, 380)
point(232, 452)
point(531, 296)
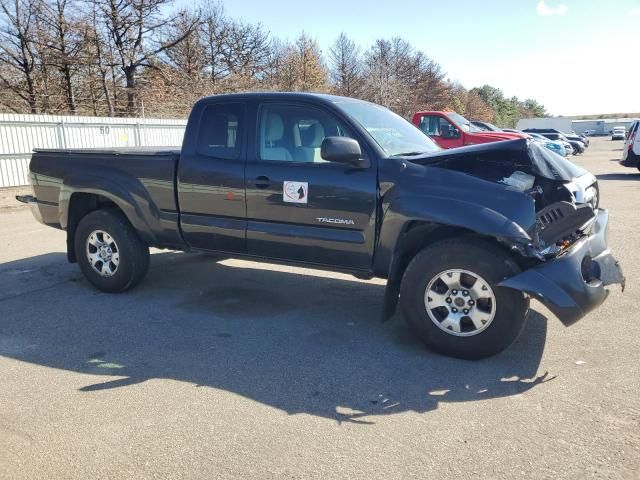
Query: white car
point(618, 133)
point(631, 150)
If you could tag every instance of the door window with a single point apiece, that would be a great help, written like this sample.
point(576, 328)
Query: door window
point(436, 126)
point(220, 129)
point(295, 134)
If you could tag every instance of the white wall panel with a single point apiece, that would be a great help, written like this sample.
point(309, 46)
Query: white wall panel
point(20, 134)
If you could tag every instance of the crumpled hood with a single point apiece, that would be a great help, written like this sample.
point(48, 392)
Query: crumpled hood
point(520, 154)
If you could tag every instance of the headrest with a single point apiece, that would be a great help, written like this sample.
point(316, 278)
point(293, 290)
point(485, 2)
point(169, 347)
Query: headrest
point(312, 136)
point(274, 128)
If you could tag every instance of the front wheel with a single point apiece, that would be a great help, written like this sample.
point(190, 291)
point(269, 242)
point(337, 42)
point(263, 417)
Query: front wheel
point(110, 253)
point(451, 299)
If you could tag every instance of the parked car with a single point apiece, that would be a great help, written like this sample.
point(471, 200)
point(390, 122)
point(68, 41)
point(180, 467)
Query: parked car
point(631, 149)
point(557, 147)
point(464, 237)
point(541, 130)
point(486, 126)
point(576, 147)
point(578, 138)
point(618, 133)
point(450, 130)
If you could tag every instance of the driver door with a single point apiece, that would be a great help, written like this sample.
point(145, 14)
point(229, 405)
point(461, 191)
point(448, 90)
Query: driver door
point(300, 207)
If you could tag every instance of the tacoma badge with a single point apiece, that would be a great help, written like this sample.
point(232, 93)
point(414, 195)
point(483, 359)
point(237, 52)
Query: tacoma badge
point(341, 221)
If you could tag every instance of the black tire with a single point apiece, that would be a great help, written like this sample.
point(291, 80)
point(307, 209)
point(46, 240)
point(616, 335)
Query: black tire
point(133, 254)
point(484, 259)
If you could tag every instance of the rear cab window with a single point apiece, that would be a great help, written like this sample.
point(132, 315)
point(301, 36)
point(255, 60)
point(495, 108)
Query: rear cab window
point(220, 130)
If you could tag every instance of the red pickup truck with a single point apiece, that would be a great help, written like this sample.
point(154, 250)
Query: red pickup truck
point(450, 130)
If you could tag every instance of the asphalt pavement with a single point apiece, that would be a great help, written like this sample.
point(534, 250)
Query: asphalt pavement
point(234, 369)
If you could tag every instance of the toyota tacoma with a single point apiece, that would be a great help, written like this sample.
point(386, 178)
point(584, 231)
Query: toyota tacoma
point(465, 237)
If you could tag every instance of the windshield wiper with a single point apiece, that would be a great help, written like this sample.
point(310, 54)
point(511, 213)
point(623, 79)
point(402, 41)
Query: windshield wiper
point(407, 154)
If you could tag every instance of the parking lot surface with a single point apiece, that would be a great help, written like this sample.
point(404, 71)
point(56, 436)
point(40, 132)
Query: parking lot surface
point(235, 369)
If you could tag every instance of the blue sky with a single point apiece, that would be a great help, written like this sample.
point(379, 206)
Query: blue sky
point(574, 56)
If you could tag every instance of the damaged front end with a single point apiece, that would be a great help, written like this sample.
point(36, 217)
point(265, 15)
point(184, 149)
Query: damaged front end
point(572, 283)
point(566, 261)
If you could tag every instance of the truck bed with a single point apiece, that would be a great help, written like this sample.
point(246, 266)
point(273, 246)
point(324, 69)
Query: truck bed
point(145, 175)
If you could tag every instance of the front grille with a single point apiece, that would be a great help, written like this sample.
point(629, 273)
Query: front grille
point(549, 216)
point(562, 220)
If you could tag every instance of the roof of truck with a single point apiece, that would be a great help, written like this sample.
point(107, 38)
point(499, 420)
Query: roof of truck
point(283, 96)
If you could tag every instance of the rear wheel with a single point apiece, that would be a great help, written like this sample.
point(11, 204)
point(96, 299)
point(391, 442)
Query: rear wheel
point(110, 253)
point(451, 298)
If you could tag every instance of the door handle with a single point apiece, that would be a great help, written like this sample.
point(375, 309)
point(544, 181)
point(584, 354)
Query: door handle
point(262, 181)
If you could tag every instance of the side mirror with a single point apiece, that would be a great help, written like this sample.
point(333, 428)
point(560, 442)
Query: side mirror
point(341, 150)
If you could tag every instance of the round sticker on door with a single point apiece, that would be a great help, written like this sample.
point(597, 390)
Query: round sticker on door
point(295, 192)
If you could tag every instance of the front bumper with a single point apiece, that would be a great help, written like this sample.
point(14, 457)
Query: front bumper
point(573, 284)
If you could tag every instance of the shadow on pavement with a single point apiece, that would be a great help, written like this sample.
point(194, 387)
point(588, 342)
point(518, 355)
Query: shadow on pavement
point(299, 342)
point(632, 175)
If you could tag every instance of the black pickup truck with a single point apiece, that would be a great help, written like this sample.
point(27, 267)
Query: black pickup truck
point(464, 237)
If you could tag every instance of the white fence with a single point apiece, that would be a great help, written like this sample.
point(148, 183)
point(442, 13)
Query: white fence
point(20, 134)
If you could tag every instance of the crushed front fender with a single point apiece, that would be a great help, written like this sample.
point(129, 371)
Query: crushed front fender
point(573, 284)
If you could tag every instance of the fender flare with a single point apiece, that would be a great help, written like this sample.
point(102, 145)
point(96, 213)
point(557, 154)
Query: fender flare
point(459, 216)
point(403, 211)
point(127, 192)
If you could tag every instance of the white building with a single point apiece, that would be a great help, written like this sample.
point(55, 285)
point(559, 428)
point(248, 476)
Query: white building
point(600, 126)
point(597, 126)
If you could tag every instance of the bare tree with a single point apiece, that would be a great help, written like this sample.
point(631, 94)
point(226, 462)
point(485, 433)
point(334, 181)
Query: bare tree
point(214, 32)
point(297, 67)
point(17, 52)
point(125, 57)
point(99, 54)
point(345, 67)
point(134, 28)
point(378, 73)
point(60, 42)
point(247, 52)
point(432, 89)
point(312, 74)
point(186, 56)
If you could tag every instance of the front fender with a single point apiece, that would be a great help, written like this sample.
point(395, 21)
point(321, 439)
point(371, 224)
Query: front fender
point(440, 211)
point(127, 192)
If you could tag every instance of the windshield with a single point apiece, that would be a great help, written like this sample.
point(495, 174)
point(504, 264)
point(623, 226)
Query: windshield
point(394, 134)
point(463, 122)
